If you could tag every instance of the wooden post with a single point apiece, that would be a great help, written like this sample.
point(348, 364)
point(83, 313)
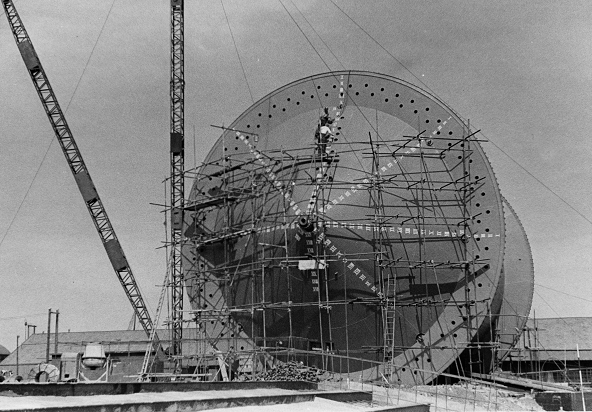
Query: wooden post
point(57, 315)
point(581, 381)
point(17, 355)
point(48, 335)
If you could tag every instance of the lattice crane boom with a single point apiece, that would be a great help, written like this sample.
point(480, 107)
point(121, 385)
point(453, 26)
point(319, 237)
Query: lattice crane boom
point(79, 170)
point(177, 161)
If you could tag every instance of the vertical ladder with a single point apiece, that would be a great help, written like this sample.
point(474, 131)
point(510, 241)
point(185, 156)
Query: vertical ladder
point(389, 315)
point(147, 364)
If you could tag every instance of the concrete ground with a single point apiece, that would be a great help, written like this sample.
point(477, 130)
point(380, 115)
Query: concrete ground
point(318, 405)
point(9, 403)
point(261, 400)
point(453, 398)
point(441, 398)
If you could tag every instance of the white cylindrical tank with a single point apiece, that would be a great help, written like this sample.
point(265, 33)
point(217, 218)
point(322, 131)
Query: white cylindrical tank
point(94, 356)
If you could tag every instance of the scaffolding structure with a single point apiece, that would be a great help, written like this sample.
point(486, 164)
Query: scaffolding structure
point(369, 246)
point(216, 312)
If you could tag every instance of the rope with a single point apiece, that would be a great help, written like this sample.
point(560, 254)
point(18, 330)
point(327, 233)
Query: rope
point(539, 181)
point(90, 56)
point(318, 35)
point(305, 36)
point(33, 315)
point(53, 139)
point(22, 202)
point(382, 47)
point(555, 290)
point(490, 141)
point(556, 314)
point(237, 53)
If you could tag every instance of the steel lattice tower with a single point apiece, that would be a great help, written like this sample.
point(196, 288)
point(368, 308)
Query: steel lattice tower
point(177, 173)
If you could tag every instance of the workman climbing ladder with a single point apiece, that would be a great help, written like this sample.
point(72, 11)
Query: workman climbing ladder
point(323, 134)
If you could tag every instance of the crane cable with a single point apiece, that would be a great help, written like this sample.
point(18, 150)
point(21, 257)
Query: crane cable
point(436, 95)
point(31, 315)
point(22, 202)
point(568, 294)
point(318, 35)
point(555, 312)
point(427, 88)
point(383, 48)
point(237, 53)
point(539, 181)
point(326, 65)
point(305, 36)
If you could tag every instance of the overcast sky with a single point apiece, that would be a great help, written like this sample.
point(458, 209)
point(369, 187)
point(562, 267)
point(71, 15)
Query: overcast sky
point(520, 71)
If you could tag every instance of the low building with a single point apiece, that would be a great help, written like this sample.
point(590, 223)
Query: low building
point(554, 350)
point(550, 349)
point(3, 353)
point(124, 350)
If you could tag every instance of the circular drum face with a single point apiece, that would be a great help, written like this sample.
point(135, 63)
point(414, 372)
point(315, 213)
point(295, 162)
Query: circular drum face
point(518, 283)
point(372, 230)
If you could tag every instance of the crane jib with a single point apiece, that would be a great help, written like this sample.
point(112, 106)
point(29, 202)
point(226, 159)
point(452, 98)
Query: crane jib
point(83, 180)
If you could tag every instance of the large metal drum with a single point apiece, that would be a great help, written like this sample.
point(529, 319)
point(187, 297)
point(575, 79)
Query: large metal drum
point(384, 242)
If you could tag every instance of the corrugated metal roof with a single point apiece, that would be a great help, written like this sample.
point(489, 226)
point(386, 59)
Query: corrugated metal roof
point(556, 338)
point(4, 351)
point(32, 350)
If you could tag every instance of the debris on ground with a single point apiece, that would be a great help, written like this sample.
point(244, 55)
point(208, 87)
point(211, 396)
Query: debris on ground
point(291, 371)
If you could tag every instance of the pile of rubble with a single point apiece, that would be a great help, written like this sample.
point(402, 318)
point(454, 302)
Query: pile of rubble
point(291, 371)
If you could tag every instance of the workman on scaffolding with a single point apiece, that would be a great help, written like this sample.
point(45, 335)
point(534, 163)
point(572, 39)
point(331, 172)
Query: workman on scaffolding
point(323, 133)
